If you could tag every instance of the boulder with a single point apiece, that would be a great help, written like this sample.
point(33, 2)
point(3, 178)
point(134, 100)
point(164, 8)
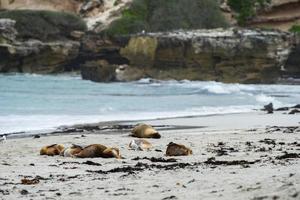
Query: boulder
point(98, 71)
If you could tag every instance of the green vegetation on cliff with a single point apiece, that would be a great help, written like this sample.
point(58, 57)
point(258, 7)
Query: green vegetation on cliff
point(295, 29)
point(166, 15)
point(44, 25)
point(246, 9)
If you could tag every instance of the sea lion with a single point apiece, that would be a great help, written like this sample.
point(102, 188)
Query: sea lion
point(71, 151)
point(52, 150)
point(98, 150)
point(140, 145)
point(174, 149)
point(144, 131)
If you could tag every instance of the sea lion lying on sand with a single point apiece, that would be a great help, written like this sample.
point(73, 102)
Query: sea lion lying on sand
point(140, 144)
point(174, 149)
point(71, 151)
point(52, 150)
point(98, 150)
point(144, 131)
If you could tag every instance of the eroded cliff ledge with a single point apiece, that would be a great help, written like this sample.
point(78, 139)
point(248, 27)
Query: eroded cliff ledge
point(227, 55)
point(33, 55)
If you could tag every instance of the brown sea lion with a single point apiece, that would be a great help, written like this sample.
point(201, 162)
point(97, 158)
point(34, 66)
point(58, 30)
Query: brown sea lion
point(144, 131)
point(71, 151)
point(98, 150)
point(174, 149)
point(52, 150)
point(140, 144)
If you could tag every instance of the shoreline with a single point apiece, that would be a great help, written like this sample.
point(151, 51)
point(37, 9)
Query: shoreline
point(255, 119)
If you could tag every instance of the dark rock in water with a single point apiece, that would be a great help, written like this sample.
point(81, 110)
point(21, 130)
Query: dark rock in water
point(269, 108)
point(294, 111)
point(282, 109)
point(36, 136)
point(98, 71)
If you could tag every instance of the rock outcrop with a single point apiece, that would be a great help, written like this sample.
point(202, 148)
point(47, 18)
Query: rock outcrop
point(231, 55)
point(33, 56)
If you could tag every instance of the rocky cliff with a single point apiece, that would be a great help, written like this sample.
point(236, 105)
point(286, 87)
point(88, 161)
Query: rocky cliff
point(32, 55)
point(231, 55)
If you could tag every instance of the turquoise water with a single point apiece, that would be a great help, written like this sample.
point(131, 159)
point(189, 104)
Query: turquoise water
point(35, 102)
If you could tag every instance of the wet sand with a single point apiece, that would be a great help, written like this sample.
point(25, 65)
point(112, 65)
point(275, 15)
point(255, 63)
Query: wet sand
point(240, 156)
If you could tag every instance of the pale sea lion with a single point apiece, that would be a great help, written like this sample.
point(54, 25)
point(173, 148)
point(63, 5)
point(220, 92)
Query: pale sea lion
point(71, 151)
point(174, 149)
point(52, 150)
point(140, 144)
point(98, 150)
point(144, 131)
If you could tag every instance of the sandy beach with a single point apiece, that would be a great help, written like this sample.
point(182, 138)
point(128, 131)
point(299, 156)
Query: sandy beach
point(236, 156)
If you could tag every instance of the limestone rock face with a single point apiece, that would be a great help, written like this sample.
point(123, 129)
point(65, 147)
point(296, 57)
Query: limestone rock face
point(7, 30)
point(33, 56)
point(230, 55)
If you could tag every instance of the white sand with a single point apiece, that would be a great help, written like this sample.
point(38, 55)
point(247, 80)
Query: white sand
point(268, 178)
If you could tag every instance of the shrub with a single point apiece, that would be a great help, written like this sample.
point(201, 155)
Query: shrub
point(165, 15)
point(295, 29)
point(44, 25)
point(246, 9)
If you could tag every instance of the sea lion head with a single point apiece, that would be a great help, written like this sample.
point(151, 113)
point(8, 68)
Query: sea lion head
point(51, 150)
point(60, 147)
point(156, 135)
point(112, 153)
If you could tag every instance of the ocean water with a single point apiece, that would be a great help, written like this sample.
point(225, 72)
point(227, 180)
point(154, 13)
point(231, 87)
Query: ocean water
point(38, 102)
